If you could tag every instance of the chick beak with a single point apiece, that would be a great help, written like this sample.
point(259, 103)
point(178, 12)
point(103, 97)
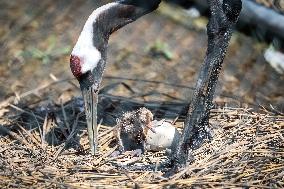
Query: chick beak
point(150, 127)
point(91, 101)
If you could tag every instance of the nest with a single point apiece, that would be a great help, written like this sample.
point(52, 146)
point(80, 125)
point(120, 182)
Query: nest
point(48, 148)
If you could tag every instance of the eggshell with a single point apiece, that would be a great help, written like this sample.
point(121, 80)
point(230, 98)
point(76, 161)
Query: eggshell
point(166, 136)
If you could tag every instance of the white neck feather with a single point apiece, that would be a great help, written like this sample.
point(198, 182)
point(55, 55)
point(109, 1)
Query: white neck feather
point(84, 48)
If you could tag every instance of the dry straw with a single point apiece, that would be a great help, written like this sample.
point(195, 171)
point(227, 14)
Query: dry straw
point(42, 150)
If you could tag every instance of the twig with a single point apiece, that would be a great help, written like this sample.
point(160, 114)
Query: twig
point(7, 131)
point(34, 140)
point(28, 93)
point(73, 132)
point(130, 178)
point(65, 117)
point(24, 111)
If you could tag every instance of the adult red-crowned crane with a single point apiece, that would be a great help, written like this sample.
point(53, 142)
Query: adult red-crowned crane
point(88, 60)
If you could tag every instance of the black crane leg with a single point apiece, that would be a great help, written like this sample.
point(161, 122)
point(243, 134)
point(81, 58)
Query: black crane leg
point(219, 30)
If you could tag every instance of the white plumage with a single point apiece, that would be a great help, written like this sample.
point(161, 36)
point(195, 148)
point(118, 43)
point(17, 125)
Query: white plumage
point(84, 48)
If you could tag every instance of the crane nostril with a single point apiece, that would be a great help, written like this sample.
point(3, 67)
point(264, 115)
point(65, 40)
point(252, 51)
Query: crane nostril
point(76, 66)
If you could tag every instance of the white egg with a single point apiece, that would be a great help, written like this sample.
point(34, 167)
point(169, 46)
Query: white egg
point(165, 136)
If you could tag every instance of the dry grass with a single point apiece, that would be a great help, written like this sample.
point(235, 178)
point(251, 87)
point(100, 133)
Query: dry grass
point(41, 150)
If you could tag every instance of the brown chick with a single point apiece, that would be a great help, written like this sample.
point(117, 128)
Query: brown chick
point(132, 128)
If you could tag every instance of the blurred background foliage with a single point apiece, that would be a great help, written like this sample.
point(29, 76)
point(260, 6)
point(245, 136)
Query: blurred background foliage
point(168, 46)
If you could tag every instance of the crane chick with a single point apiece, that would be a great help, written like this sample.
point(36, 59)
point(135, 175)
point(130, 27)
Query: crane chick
point(131, 130)
point(132, 133)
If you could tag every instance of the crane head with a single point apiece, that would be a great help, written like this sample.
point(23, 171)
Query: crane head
point(88, 58)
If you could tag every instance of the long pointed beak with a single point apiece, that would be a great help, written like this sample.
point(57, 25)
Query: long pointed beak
point(91, 101)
